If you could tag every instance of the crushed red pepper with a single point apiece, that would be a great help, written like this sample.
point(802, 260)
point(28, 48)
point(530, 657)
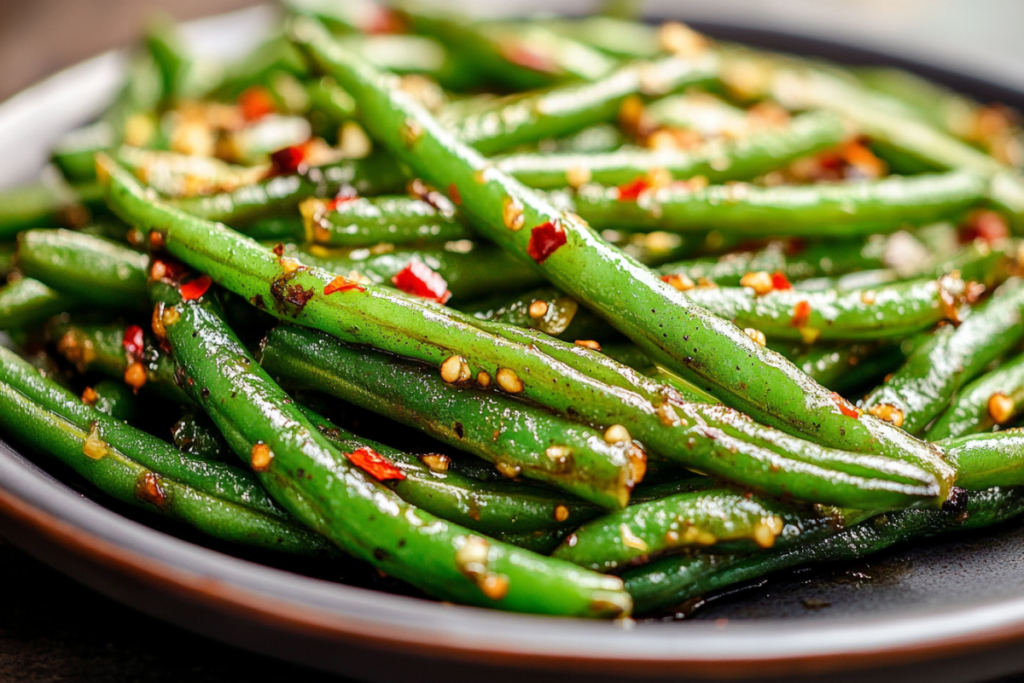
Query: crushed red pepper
point(133, 341)
point(256, 102)
point(545, 240)
point(419, 279)
point(631, 191)
point(375, 464)
point(342, 284)
point(195, 289)
point(801, 314)
point(289, 160)
point(780, 281)
point(844, 406)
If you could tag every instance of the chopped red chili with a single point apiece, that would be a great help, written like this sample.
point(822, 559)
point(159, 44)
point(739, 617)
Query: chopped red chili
point(801, 314)
point(256, 102)
point(133, 341)
point(289, 160)
point(333, 204)
point(986, 225)
point(342, 284)
point(195, 289)
point(418, 279)
point(375, 464)
point(545, 240)
point(844, 406)
point(632, 190)
point(780, 281)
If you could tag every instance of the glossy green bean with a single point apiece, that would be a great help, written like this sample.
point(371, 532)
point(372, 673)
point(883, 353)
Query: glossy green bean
point(718, 160)
point(26, 302)
point(847, 366)
point(196, 435)
point(545, 309)
point(986, 460)
point(992, 400)
point(934, 371)
point(397, 220)
point(682, 337)
point(116, 400)
point(673, 581)
point(519, 439)
point(713, 521)
point(282, 194)
point(834, 209)
point(352, 508)
point(385, 320)
point(92, 269)
point(47, 204)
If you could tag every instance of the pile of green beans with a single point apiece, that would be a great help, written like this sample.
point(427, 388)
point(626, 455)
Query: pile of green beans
point(577, 317)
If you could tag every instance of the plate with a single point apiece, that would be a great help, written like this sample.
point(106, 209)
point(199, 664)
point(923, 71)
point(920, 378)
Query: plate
point(950, 610)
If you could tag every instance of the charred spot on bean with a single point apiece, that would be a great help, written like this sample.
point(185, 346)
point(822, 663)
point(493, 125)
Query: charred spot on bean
point(290, 298)
point(956, 502)
point(460, 431)
point(381, 555)
point(205, 393)
point(149, 489)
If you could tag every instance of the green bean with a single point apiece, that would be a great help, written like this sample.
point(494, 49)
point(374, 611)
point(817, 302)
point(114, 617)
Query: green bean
point(183, 76)
point(398, 220)
point(212, 478)
point(626, 39)
point(101, 348)
point(986, 460)
point(515, 55)
point(196, 435)
point(700, 112)
point(116, 400)
point(282, 194)
point(673, 581)
point(518, 439)
point(601, 137)
point(993, 400)
point(388, 321)
point(545, 309)
point(500, 507)
point(329, 105)
point(26, 302)
point(7, 250)
point(717, 160)
point(43, 204)
point(182, 175)
point(686, 338)
point(350, 506)
point(834, 209)
point(934, 371)
point(121, 477)
point(714, 520)
point(533, 116)
point(471, 270)
point(92, 269)
point(847, 366)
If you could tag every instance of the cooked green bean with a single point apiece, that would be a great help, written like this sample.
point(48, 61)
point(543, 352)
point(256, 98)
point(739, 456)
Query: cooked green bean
point(47, 204)
point(349, 505)
point(397, 220)
point(934, 371)
point(718, 160)
point(833, 209)
point(26, 302)
point(993, 400)
point(116, 400)
point(985, 460)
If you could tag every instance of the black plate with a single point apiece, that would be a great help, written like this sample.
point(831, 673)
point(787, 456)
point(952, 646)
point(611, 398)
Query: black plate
point(951, 610)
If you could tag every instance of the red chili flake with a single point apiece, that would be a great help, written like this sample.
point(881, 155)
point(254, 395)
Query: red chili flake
point(986, 225)
point(831, 160)
point(545, 240)
point(195, 289)
point(418, 279)
point(632, 190)
point(167, 271)
point(519, 53)
point(374, 464)
point(384, 21)
point(780, 281)
point(453, 194)
point(256, 102)
point(333, 204)
point(342, 284)
point(289, 160)
point(133, 341)
point(801, 314)
point(844, 406)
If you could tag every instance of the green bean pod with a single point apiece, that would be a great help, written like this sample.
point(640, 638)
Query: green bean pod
point(846, 366)
point(673, 581)
point(714, 521)
point(26, 302)
point(717, 160)
point(123, 478)
point(92, 269)
point(992, 400)
point(533, 116)
point(545, 309)
point(834, 209)
point(310, 478)
point(397, 220)
point(935, 370)
point(498, 507)
point(116, 400)
point(618, 37)
point(282, 194)
point(986, 460)
point(471, 270)
point(212, 478)
point(45, 204)
point(416, 329)
point(519, 439)
point(196, 435)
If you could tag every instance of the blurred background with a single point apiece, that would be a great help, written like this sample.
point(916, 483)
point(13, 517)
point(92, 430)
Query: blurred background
point(981, 37)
